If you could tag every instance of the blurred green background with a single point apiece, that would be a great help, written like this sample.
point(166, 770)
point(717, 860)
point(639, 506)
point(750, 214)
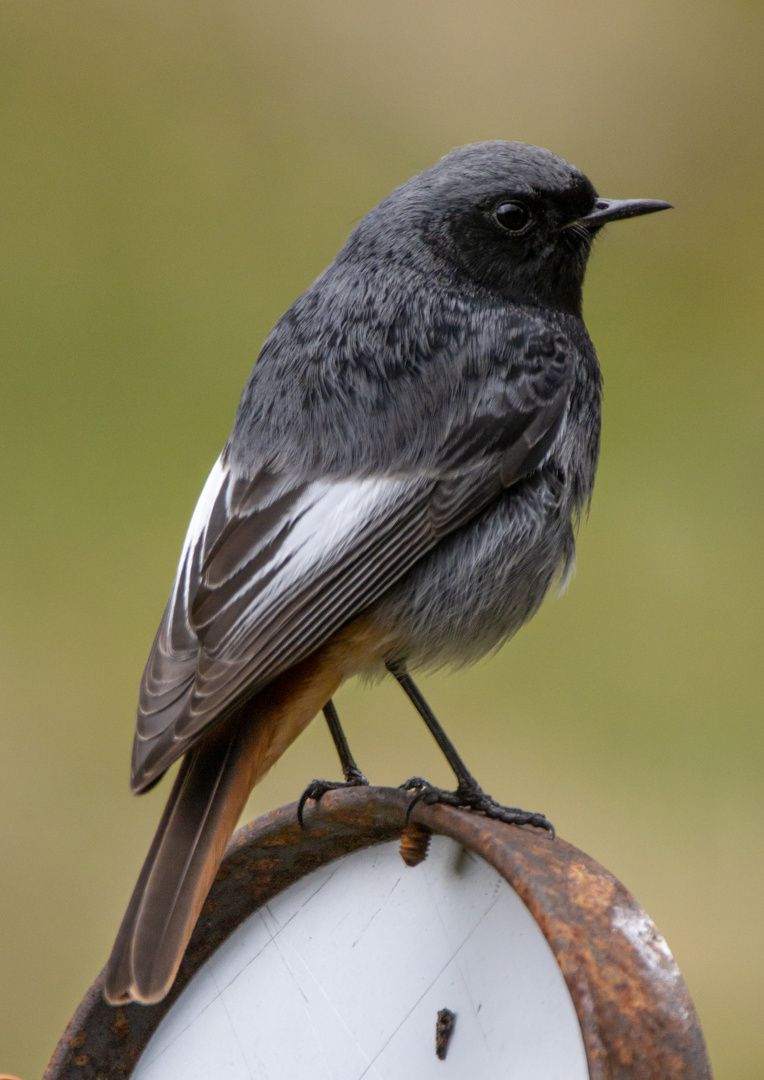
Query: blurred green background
point(172, 175)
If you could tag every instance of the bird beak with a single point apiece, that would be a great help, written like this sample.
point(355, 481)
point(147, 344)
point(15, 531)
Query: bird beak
point(606, 210)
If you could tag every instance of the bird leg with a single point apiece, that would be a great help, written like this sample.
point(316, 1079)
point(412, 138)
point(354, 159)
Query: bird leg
point(353, 775)
point(468, 792)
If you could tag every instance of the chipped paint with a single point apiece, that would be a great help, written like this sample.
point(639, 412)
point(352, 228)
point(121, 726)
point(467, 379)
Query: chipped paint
point(641, 931)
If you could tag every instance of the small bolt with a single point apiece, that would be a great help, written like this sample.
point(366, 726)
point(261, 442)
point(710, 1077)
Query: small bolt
point(415, 841)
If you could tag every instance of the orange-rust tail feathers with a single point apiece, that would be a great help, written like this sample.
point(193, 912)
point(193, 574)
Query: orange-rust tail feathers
point(207, 797)
point(209, 793)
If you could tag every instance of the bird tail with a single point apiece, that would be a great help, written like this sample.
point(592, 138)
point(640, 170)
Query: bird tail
point(209, 793)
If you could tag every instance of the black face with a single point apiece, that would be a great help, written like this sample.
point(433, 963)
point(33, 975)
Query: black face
point(529, 245)
point(510, 218)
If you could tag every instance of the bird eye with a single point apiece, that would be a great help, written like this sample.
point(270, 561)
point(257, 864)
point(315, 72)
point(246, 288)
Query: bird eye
point(513, 216)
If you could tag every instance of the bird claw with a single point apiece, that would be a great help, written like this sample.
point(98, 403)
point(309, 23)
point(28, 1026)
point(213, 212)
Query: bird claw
point(318, 788)
point(467, 797)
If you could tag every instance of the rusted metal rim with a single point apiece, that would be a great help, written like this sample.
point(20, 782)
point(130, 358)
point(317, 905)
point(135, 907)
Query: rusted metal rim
point(637, 1018)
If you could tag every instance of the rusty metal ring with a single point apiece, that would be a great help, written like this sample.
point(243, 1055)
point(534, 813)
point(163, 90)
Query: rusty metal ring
point(636, 1015)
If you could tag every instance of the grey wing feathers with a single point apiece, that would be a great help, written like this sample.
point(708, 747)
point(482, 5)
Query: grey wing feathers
point(275, 586)
point(273, 566)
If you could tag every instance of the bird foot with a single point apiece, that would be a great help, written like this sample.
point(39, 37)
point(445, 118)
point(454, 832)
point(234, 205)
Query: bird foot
point(472, 797)
point(318, 788)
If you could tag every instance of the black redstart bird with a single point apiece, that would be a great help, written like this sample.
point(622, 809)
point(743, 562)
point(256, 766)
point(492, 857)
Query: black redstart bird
point(401, 485)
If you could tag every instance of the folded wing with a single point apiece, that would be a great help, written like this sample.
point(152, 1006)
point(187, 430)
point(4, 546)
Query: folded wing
point(273, 565)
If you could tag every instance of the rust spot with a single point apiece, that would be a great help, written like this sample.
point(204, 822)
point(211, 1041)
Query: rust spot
point(83, 1059)
point(78, 1040)
point(591, 890)
point(121, 1026)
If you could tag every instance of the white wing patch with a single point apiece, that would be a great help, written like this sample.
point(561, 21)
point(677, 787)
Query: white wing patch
point(193, 546)
point(321, 525)
point(325, 520)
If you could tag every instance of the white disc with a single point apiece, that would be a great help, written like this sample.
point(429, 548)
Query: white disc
point(342, 976)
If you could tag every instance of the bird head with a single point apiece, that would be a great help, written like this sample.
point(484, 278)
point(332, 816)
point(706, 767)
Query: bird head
point(503, 216)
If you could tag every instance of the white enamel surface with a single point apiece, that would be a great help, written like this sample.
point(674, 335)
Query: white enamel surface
point(342, 976)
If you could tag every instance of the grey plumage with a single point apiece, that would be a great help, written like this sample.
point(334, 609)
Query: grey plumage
point(415, 443)
point(397, 365)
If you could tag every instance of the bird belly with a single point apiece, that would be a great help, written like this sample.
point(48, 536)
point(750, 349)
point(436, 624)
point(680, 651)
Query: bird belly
point(481, 583)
